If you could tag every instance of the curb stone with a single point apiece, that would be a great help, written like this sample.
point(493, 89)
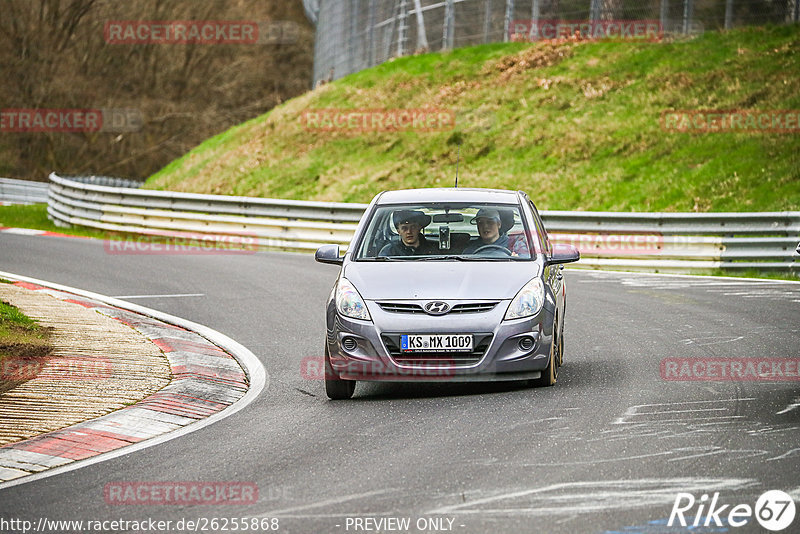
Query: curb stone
point(206, 380)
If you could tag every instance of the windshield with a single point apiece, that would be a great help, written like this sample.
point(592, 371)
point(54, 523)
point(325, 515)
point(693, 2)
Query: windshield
point(445, 232)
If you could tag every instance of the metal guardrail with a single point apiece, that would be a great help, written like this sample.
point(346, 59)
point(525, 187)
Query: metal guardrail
point(22, 191)
point(664, 242)
point(109, 181)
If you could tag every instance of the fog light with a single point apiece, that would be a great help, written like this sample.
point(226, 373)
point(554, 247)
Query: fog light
point(526, 343)
point(349, 344)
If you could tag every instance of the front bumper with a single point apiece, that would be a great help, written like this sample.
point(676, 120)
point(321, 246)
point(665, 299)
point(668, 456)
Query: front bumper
point(364, 350)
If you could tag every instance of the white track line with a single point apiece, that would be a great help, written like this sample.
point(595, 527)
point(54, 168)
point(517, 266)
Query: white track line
point(673, 275)
point(176, 295)
point(251, 365)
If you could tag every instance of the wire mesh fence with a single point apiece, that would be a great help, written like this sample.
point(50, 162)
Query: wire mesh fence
point(356, 34)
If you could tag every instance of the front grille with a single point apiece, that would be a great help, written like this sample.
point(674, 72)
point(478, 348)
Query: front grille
point(400, 307)
point(480, 346)
point(473, 307)
point(469, 307)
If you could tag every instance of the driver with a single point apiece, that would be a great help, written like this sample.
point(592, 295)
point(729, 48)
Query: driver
point(488, 222)
point(409, 224)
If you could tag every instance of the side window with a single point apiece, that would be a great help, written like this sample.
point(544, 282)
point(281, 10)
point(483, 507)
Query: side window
point(542, 241)
point(378, 234)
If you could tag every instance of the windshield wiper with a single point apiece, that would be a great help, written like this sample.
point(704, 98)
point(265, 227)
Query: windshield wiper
point(395, 258)
point(449, 257)
point(446, 258)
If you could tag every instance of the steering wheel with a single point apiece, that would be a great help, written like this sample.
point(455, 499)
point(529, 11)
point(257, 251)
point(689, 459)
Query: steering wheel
point(496, 247)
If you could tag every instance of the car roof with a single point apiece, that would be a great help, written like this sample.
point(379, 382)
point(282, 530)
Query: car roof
point(448, 194)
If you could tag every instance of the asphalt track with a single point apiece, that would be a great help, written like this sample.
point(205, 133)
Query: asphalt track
point(607, 449)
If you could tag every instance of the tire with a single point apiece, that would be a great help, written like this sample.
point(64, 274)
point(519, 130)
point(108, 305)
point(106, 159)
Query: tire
point(550, 373)
point(561, 347)
point(335, 387)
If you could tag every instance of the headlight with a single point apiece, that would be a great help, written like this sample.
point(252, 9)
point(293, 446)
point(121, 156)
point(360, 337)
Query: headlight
point(528, 301)
point(348, 302)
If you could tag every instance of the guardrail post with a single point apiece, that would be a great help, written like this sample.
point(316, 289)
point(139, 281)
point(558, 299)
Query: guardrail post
point(664, 15)
point(594, 10)
point(448, 29)
point(728, 14)
point(535, 11)
point(401, 29)
point(688, 15)
point(487, 20)
point(422, 38)
point(508, 20)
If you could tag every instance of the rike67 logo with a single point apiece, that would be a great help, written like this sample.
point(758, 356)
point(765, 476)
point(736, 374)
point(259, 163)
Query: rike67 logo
point(774, 510)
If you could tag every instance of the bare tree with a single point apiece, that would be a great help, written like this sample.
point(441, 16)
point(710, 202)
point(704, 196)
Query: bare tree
point(53, 54)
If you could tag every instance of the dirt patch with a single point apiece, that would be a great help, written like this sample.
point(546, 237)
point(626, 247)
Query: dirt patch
point(536, 57)
point(453, 92)
point(23, 354)
point(599, 87)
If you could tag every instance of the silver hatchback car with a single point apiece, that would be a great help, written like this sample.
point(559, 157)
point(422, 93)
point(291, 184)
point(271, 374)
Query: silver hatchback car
point(446, 285)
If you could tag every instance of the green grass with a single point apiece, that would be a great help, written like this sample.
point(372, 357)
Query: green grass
point(12, 317)
point(578, 128)
point(23, 342)
point(35, 216)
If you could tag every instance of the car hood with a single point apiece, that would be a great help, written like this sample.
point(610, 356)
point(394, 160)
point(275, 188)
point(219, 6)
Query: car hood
point(446, 280)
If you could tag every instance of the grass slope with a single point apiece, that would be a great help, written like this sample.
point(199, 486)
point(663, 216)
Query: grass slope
point(577, 125)
point(24, 345)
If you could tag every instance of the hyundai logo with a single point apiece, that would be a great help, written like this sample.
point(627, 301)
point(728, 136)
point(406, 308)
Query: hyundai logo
point(436, 307)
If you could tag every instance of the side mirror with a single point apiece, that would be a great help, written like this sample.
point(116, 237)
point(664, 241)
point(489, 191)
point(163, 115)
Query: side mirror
point(328, 254)
point(563, 253)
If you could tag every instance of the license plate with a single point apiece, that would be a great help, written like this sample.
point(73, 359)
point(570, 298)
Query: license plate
point(436, 342)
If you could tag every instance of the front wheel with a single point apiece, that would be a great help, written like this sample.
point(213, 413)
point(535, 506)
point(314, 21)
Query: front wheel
point(335, 387)
point(561, 347)
point(550, 373)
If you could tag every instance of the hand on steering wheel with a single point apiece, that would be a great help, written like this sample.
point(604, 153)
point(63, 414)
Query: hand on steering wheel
point(498, 247)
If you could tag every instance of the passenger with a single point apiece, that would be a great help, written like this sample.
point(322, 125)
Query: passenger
point(409, 224)
point(491, 232)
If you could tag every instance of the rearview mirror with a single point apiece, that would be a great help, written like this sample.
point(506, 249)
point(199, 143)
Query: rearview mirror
point(563, 253)
point(328, 254)
point(448, 218)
